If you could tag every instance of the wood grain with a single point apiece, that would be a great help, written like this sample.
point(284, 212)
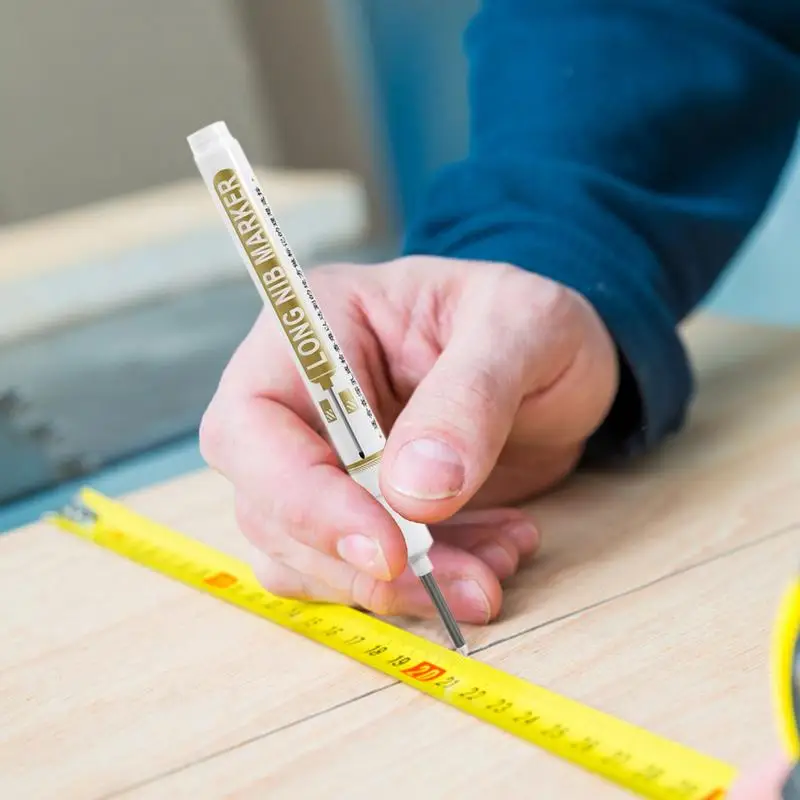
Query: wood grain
point(651, 599)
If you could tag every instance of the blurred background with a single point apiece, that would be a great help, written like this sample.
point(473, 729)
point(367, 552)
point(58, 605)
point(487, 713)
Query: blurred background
point(121, 297)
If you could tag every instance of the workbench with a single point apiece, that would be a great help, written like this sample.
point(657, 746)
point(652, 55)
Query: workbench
point(652, 599)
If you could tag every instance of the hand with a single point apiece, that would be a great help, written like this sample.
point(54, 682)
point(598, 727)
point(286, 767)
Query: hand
point(489, 379)
point(762, 783)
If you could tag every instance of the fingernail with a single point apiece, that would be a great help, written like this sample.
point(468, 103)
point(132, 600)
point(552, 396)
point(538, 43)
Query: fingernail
point(427, 469)
point(364, 554)
point(471, 594)
point(525, 536)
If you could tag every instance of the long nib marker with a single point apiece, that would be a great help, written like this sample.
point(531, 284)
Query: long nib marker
point(349, 421)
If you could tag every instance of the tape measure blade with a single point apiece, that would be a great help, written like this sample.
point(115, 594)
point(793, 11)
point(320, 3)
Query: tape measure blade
point(628, 756)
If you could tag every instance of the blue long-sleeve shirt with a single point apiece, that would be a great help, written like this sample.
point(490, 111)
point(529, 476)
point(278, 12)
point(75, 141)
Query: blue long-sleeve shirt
point(624, 148)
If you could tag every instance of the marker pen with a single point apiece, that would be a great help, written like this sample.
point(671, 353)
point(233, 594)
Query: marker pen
point(349, 421)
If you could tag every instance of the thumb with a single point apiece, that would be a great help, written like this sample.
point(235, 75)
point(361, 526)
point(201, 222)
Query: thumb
point(447, 440)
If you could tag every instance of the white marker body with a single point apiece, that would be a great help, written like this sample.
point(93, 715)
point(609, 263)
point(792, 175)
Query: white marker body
point(283, 287)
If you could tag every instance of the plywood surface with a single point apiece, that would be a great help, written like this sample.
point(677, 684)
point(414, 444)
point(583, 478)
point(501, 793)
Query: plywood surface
point(652, 599)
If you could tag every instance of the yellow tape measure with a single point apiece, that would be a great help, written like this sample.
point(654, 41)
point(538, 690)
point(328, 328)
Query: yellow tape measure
point(631, 757)
point(786, 682)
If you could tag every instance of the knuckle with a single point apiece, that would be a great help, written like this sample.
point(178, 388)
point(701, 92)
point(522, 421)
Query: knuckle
point(291, 514)
point(211, 435)
point(277, 578)
point(555, 314)
point(550, 300)
point(278, 507)
point(411, 260)
point(245, 511)
point(554, 298)
point(248, 520)
point(535, 293)
point(258, 530)
point(483, 389)
point(376, 596)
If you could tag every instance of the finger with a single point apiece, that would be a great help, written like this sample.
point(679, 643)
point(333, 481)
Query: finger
point(281, 580)
point(467, 527)
point(501, 538)
point(343, 523)
point(471, 589)
point(762, 783)
point(499, 553)
point(315, 574)
point(468, 584)
point(446, 441)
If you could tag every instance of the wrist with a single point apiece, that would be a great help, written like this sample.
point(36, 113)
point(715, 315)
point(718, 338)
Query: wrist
point(655, 379)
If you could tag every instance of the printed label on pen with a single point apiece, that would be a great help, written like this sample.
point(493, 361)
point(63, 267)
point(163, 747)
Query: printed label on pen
point(327, 410)
point(348, 401)
point(296, 322)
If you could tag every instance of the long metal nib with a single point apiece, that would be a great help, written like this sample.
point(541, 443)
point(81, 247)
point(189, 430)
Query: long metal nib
point(429, 582)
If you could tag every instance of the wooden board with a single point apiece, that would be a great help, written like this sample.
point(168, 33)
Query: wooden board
point(652, 599)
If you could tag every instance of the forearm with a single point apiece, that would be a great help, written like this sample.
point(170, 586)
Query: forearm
point(625, 149)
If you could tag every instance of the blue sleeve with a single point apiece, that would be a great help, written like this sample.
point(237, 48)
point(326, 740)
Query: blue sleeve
point(624, 148)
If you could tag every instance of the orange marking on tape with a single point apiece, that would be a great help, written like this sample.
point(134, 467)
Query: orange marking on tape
point(222, 580)
point(424, 671)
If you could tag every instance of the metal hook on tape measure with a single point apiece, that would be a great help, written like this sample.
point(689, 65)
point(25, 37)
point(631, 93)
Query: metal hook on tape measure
point(78, 512)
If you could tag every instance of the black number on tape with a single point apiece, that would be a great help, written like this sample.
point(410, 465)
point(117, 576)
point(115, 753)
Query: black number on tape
point(587, 744)
point(651, 773)
point(528, 718)
point(473, 694)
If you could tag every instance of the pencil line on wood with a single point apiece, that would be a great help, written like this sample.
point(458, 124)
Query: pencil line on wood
point(641, 587)
point(238, 745)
